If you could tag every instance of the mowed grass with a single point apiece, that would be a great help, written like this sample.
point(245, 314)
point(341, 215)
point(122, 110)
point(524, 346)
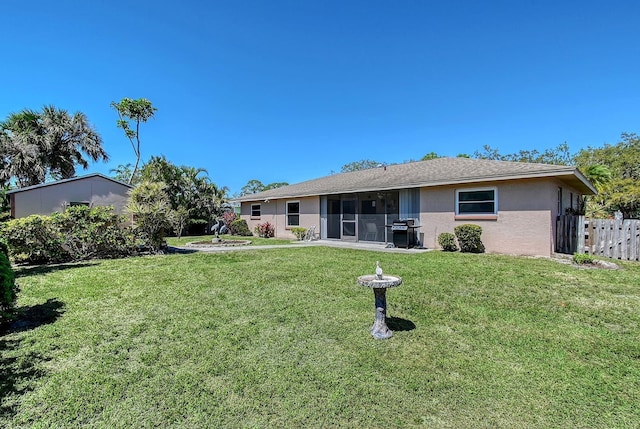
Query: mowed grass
point(279, 338)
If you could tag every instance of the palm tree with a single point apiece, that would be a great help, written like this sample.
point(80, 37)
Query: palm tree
point(598, 174)
point(596, 206)
point(211, 199)
point(20, 149)
point(66, 141)
point(34, 145)
point(192, 183)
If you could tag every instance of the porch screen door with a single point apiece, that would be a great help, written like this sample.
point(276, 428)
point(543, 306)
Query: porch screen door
point(349, 206)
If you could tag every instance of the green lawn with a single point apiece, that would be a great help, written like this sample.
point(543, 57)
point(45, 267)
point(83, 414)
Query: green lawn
point(279, 338)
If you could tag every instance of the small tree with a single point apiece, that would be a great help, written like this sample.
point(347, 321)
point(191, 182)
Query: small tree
point(430, 155)
point(178, 219)
point(136, 111)
point(124, 172)
point(150, 207)
point(228, 216)
point(254, 186)
point(364, 164)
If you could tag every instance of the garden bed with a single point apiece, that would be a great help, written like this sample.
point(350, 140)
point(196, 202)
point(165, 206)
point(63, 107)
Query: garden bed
point(219, 243)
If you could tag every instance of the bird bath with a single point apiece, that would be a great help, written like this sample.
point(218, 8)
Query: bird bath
point(380, 283)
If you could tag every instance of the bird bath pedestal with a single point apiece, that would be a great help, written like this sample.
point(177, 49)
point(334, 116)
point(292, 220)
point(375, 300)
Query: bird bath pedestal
point(380, 284)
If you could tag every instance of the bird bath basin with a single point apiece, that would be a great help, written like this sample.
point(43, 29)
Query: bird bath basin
point(380, 283)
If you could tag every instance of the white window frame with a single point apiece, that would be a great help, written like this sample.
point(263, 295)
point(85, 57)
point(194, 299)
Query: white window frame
point(259, 210)
point(495, 201)
point(292, 214)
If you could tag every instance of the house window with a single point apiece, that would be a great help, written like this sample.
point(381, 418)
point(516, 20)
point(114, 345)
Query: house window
point(482, 201)
point(571, 201)
point(293, 213)
point(79, 203)
point(559, 201)
point(255, 210)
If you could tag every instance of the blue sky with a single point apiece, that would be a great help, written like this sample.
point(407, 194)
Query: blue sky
point(292, 90)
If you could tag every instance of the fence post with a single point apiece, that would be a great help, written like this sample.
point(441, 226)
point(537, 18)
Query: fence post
point(580, 247)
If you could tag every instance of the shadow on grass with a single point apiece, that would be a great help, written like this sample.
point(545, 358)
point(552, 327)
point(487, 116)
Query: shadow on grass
point(29, 270)
point(36, 315)
point(18, 370)
point(398, 324)
point(181, 250)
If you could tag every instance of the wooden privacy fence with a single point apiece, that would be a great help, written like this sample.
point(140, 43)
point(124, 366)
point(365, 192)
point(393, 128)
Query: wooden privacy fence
point(618, 239)
point(612, 238)
point(567, 233)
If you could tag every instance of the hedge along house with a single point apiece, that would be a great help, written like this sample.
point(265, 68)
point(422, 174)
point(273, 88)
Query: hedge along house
point(516, 204)
point(90, 190)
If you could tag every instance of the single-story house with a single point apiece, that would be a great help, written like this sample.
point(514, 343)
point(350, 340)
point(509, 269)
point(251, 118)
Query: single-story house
point(92, 190)
point(515, 203)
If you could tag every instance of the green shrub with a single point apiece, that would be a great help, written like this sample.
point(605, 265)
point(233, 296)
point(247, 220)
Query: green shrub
point(150, 206)
point(265, 230)
point(582, 259)
point(240, 227)
point(4, 248)
point(198, 227)
point(34, 239)
point(299, 232)
point(78, 233)
point(8, 289)
point(93, 233)
point(447, 241)
point(468, 236)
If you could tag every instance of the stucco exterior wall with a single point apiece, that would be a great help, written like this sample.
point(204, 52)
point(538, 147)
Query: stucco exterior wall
point(97, 191)
point(524, 225)
point(525, 222)
point(274, 211)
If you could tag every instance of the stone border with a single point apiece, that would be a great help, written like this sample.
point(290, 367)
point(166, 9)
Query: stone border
point(223, 243)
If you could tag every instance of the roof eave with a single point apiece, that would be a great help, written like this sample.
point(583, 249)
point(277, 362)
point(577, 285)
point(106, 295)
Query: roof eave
point(582, 184)
point(71, 179)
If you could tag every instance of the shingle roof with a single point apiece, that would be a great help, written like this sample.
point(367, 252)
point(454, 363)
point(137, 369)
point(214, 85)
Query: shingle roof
point(57, 182)
point(434, 172)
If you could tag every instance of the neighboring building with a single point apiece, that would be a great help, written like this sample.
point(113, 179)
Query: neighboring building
point(91, 190)
point(515, 203)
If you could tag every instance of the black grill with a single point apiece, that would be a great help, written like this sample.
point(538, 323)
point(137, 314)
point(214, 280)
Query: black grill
point(404, 233)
